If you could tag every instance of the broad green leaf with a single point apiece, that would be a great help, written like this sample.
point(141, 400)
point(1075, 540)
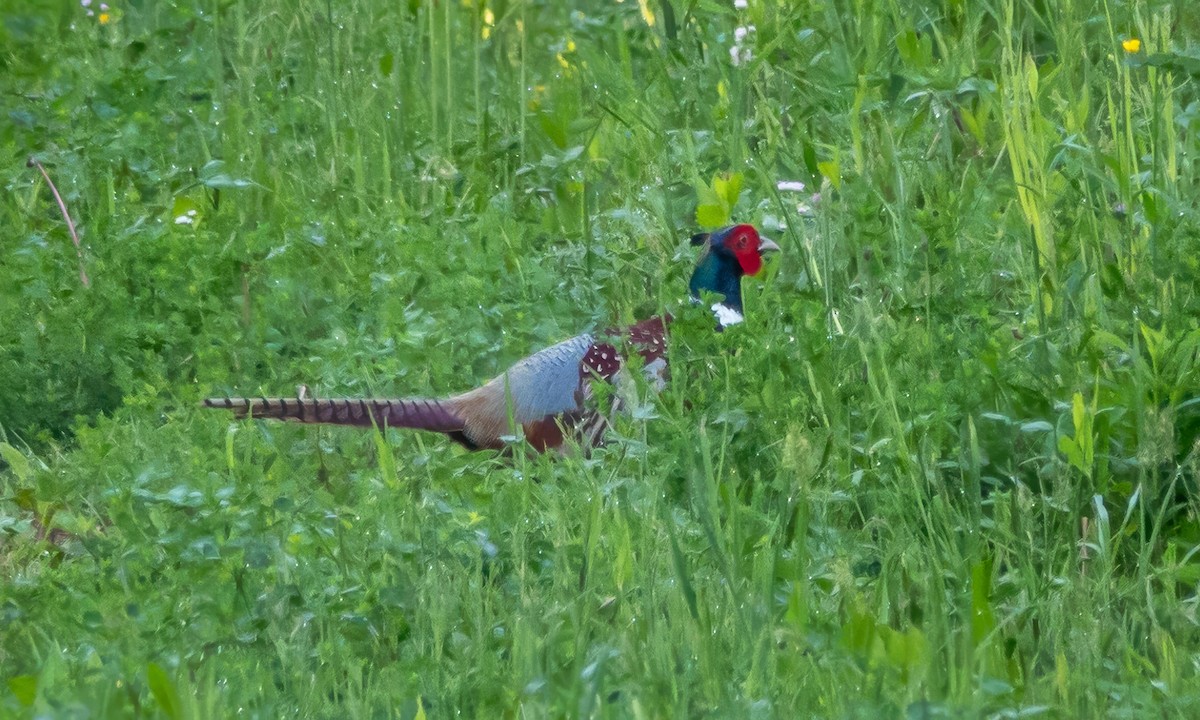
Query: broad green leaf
point(1082, 441)
point(1067, 446)
point(1078, 413)
point(163, 690)
point(728, 188)
point(983, 619)
point(859, 633)
point(16, 461)
point(909, 47)
point(1031, 76)
point(1062, 675)
point(186, 212)
point(24, 687)
point(1155, 341)
point(907, 651)
point(711, 216)
point(831, 170)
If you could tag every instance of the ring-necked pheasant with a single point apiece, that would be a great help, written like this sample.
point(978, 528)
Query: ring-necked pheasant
point(547, 393)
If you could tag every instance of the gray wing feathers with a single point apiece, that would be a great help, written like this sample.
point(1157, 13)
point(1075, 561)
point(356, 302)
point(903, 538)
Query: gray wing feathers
point(547, 382)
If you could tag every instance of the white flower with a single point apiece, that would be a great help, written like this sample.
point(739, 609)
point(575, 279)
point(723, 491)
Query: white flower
point(739, 54)
point(790, 186)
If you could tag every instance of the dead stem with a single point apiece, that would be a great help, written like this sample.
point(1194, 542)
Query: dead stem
point(62, 206)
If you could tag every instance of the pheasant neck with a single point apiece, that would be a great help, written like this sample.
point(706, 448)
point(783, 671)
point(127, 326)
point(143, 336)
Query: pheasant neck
point(717, 274)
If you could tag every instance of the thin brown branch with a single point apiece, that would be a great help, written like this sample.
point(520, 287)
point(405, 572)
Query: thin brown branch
point(62, 206)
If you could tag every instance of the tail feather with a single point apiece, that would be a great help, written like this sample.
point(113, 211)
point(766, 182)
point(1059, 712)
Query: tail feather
point(415, 413)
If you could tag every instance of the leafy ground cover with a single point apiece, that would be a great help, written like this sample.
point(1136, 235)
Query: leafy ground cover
point(946, 469)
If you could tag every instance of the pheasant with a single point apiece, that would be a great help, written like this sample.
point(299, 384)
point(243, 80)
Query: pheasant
point(546, 393)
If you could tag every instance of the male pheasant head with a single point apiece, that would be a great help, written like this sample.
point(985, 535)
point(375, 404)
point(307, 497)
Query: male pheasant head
point(729, 253)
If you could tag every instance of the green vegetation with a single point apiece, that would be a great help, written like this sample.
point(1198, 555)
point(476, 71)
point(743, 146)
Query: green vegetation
point(948, 468)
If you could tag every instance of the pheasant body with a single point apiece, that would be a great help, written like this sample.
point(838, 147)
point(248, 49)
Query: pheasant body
point(547, 393)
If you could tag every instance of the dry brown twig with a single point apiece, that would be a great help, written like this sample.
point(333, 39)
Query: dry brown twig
point(62, 206)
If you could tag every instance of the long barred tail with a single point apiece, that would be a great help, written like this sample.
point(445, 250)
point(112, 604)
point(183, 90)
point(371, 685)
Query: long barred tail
point(418, 414)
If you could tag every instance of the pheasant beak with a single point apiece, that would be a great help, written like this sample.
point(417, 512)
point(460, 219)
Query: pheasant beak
point(765, 245)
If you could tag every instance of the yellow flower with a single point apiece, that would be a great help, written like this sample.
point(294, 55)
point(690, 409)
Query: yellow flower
point(104, 18)
point(647, 13)
point(1132, 45)
point(568, 48)
point(489, 21)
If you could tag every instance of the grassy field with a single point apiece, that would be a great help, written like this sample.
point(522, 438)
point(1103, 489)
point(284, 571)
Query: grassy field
point(947, 468)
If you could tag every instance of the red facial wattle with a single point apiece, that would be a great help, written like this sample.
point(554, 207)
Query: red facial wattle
point(744, 243)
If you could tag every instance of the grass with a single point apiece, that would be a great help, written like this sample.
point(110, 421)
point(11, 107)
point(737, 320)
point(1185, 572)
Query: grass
point(946, 469)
